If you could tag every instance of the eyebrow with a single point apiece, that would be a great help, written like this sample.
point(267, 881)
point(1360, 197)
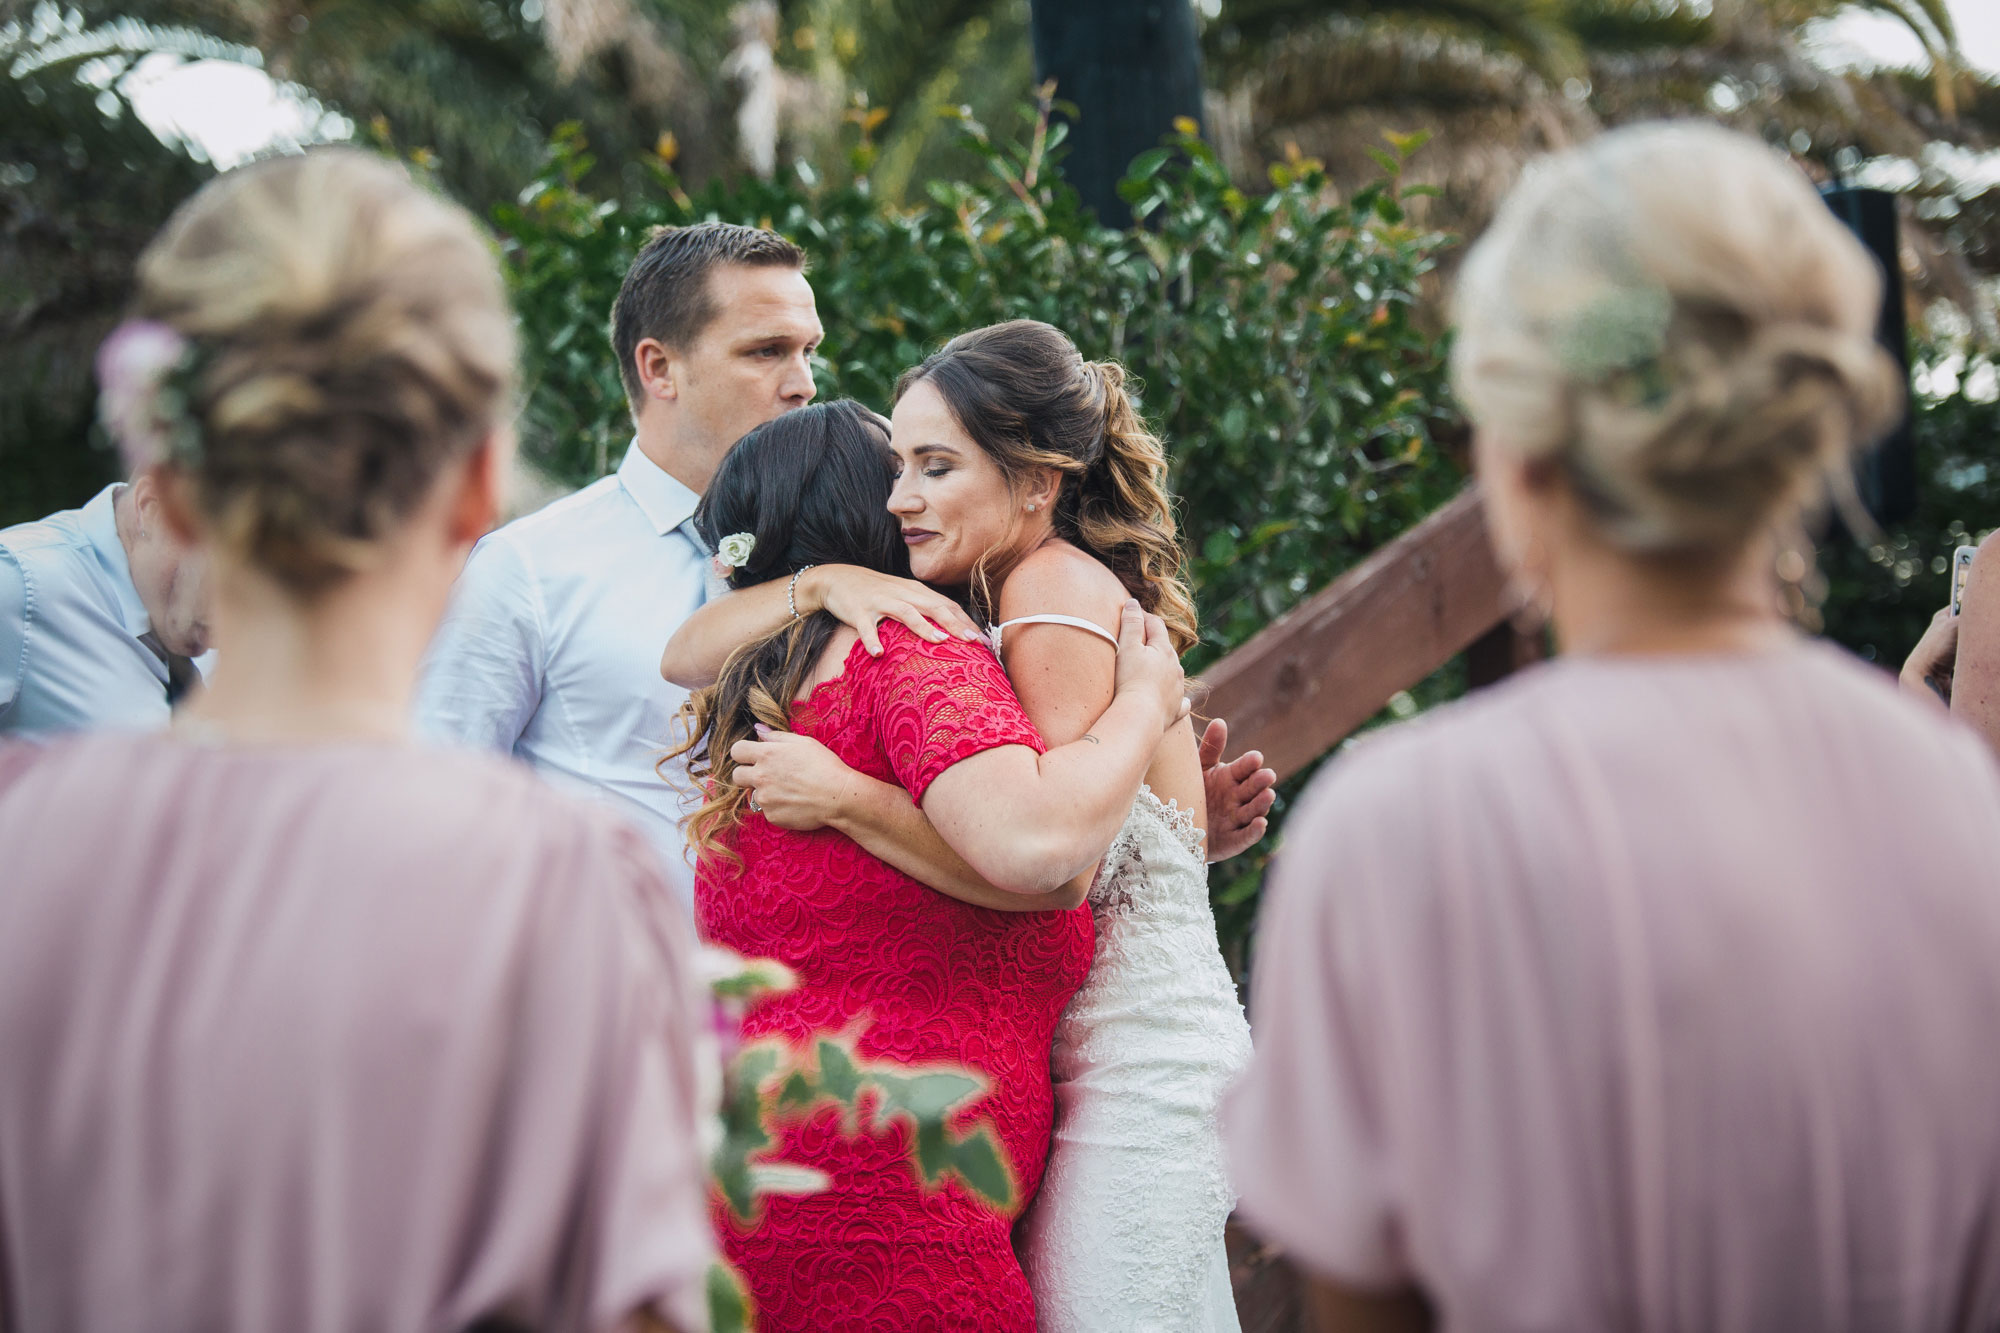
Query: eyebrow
point(923, 449)
point(759, 339)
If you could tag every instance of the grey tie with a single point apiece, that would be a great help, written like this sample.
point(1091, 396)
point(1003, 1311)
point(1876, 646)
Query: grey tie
point(180, 670)
point(711, 586)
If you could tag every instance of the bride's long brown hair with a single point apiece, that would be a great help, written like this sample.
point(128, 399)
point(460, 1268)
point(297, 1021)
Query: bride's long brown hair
point(811, 488)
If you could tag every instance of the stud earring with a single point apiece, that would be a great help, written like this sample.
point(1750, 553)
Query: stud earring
point(1032, 507)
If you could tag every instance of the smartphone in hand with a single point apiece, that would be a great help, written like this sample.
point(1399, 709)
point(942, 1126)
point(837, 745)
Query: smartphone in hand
point(1961, 566)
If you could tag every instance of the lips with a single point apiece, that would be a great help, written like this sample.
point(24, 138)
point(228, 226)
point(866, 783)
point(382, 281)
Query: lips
point(917, 536)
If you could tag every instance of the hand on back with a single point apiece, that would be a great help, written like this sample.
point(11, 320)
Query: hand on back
point(1240, 794)
point(863, 598)
point(1148, 664)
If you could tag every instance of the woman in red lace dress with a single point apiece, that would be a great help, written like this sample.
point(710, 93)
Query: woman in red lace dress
point(907, 974)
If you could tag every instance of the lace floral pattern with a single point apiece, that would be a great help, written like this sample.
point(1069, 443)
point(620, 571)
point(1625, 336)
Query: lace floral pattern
point(911, 975)
point(1127, 1230)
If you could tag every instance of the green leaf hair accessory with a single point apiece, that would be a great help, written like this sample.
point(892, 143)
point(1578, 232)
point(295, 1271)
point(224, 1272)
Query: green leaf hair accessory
point(1623, 331)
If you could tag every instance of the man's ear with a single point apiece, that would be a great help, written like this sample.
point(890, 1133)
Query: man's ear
point(162, 497)
point(658, 368)
point(481, 490)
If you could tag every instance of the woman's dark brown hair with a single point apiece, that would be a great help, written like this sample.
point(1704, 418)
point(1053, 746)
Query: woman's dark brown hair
point(1027, 397)
point(811, 488)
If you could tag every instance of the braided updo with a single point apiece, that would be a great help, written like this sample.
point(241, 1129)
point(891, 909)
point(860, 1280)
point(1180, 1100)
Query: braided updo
point(352, 337)
point(1671, 316)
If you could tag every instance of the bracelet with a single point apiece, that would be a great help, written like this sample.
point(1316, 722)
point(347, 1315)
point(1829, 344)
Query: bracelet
point(791, 591)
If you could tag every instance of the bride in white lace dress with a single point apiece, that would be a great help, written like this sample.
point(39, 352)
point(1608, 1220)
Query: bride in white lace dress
point(1126, 1232)
point(1024, 478)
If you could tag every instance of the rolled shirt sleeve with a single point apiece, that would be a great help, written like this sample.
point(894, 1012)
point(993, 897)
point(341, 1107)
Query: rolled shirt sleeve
point(482, 679)
point(13, 630)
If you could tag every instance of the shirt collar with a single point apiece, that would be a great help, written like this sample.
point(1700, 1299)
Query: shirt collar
point(666, 502)
point(100, 526)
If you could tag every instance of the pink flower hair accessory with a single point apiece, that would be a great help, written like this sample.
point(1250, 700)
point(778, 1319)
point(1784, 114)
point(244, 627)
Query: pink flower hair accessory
point(143, 370)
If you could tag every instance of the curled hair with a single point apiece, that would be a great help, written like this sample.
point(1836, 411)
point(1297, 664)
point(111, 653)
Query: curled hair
point(812, 488)
point(1027, 397)
point(353, 338)
point(1671, 316)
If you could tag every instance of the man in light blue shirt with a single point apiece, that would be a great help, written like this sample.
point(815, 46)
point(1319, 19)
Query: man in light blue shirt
point(101, 610)
point(551, 648)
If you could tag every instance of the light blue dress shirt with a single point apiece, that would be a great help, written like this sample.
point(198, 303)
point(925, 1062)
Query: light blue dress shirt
point(70, 621)
point(551, 647)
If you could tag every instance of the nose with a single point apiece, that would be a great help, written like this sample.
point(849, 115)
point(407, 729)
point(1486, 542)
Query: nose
point(903, 499)
point(798, 388)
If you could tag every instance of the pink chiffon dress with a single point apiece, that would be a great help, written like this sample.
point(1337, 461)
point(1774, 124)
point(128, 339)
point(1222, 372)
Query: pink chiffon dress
point(346, 1036)
point(1641, 994)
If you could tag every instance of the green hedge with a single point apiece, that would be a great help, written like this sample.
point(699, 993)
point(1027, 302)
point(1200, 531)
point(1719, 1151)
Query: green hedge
point(1882, 590)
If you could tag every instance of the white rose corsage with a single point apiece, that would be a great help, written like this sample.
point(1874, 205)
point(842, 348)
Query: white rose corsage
point(732, 553)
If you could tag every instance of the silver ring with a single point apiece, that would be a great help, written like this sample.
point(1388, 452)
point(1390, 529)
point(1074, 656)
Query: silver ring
point(753, 803)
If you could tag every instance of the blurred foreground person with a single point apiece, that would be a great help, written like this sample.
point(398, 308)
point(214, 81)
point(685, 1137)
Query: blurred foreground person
point(102, 610)
point(301, 1026)
point(1654, 989)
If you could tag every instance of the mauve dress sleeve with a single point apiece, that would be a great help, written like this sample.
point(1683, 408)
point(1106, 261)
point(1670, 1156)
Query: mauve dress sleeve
point(648, 1182)
point(937, 703)
point(1303, 1127)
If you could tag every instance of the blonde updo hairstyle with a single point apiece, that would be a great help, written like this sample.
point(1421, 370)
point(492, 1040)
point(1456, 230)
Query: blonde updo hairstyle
point(351, 338)
point(1672, 317)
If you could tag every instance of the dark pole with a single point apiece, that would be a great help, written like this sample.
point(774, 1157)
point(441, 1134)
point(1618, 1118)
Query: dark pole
point(1129, 67)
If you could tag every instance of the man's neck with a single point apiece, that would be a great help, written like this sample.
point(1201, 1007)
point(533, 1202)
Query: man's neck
point(125, 519)
point(678, 458)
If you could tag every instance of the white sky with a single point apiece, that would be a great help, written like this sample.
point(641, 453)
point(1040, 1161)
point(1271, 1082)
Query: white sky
point(1864, 38)
point(232, 111)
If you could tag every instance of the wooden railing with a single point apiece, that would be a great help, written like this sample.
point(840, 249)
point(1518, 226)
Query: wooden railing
point(1307, 680)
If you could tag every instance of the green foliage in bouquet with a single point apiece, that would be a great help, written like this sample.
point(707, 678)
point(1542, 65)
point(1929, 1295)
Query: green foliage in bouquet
point(770, 1081)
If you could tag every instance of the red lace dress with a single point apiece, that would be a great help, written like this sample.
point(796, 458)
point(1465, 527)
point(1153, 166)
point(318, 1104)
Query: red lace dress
point(910, 976)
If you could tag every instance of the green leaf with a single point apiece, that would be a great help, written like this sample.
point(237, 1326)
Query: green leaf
point(1148, 163)
point(838, 1078)
point(729, 1308)
point(976, 1158)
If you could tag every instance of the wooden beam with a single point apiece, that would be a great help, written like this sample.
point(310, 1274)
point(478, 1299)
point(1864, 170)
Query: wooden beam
point(1323, 668)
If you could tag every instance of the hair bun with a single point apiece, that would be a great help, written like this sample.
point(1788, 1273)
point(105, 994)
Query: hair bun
point(355, 337)
point(1735, 394)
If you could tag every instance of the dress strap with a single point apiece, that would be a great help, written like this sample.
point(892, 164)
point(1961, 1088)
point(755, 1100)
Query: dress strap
point(1074, 622)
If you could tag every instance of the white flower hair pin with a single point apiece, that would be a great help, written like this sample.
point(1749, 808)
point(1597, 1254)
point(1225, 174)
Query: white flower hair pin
point(732, 553)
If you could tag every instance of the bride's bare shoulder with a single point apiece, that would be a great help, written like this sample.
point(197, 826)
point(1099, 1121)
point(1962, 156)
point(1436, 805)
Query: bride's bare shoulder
point(1058, 579)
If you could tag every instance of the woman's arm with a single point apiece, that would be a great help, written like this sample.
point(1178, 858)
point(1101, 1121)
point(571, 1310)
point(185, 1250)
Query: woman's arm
point(1975, 677)
point(1027, 822)
point(857, 597)
point(800, 784)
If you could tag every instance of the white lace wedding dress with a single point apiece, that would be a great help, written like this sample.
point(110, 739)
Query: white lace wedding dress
point(1126, 1231)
